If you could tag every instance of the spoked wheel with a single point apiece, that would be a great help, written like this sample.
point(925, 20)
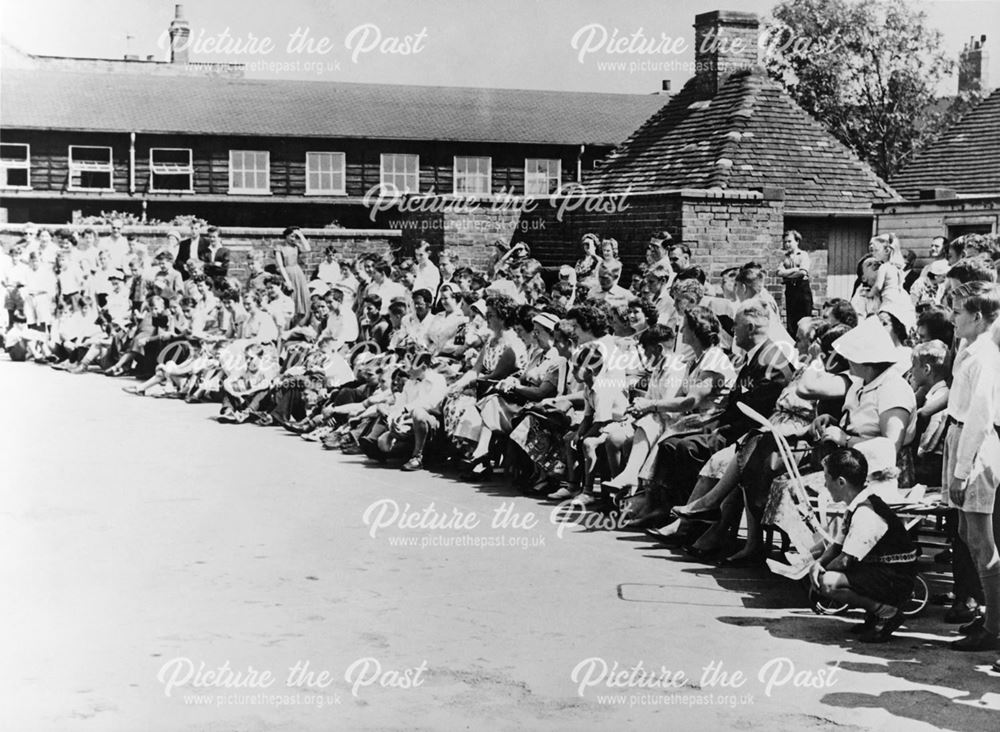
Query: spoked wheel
point(917, 602)
point(919, 599)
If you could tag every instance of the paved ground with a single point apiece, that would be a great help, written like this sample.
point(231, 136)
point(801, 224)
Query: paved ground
point(144, 546)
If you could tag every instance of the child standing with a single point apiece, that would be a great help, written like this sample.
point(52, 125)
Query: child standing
point(889, 279)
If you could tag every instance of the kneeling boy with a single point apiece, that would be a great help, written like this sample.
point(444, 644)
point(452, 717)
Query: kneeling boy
point(872, 564)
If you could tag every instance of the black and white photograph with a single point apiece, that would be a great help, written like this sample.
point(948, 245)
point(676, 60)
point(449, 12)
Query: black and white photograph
point(557, 365)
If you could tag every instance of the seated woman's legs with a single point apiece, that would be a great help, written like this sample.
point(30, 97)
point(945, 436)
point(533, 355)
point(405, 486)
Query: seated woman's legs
point(682, 526)
point(641, 445)
point(710, 494)
point(723, 532)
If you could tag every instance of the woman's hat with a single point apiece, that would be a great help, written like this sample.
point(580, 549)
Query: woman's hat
point(901, 308)
point(319, 287)
point(546, 320)
point(480, 307)
point(939, 267)
point(869, 342)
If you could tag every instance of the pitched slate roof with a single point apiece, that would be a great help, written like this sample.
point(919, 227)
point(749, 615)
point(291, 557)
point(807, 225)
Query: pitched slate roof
point(749, 135)
point(290, 108)
point(966, 158)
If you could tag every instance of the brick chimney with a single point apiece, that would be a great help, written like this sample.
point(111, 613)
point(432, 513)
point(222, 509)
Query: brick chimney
point(973, 66)
point(725, 41)
point(179, 31)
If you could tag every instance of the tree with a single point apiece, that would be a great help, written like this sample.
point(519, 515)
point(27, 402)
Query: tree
point(867, 69)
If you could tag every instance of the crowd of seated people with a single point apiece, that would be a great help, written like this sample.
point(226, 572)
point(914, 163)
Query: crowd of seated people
point(644, 399)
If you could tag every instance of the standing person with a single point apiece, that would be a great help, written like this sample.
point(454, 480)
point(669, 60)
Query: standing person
point(214, 255)
point(794, 271)
point(188, 249)
point(427, 275)
point(586, 265)
point(116, 245)
point(287, 258)
point(972, 452)
point(936, 252)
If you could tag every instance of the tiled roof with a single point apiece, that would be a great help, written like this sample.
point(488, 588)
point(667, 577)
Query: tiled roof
point(966, 158)
point(749, 135)
point(290, 108)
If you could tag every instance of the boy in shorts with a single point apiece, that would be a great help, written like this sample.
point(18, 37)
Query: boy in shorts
point(872, 563)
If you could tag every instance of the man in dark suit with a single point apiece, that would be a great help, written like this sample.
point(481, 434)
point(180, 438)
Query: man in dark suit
point(766, 371)
point(213, 254)
point(188, 249)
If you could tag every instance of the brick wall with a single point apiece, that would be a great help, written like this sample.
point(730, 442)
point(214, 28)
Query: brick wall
point(241, 242)
point(723, 228)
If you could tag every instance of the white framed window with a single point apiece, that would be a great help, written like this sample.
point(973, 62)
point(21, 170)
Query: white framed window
point(249, 171)
point(542, 176)
point(325, 173)
point(473, 176)
point(171, 169)
point(90, 168)
point(400, 172)
point(15, 165)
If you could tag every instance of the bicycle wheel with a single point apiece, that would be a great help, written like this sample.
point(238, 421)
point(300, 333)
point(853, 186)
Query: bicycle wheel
point(824, 605)
point(918, 600)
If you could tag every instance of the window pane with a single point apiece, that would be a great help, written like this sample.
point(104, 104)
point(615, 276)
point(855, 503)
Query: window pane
point(10, 151)
point(16, 177)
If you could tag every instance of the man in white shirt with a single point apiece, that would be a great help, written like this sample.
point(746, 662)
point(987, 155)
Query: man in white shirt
point(428, 276)
point(342, 323)
point(417, 323)
point(328, 270)
point(279, 305)
point(608, 290)
point(386, 288)
point(116, 245)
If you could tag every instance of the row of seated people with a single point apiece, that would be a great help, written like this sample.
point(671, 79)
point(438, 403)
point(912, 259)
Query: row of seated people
point(604, 405)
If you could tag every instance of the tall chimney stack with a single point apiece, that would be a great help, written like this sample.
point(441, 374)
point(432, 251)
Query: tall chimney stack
point(180, 32)
point(974, 66)
point(725, 41)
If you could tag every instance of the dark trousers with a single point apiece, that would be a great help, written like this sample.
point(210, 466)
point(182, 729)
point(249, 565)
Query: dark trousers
point(798, 302)
point(681, 458)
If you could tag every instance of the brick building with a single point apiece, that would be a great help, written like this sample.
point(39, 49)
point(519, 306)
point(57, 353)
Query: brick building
point(728, 164)
point(85, 135)
point(731, 128)
point(952, 187)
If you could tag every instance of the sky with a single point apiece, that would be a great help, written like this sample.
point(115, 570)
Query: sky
point(534, 44)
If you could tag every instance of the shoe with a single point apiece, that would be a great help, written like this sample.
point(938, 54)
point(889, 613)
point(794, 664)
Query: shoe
point(586, 499)
point(708, 514)
point(884, 634)
point(671, 541)
point(656, 519)
point(979, 640)
point(973, 625)
point(562, 494)
point(868, 626)
point(414, 463)
point(472, 474)
point(960, 613)
point(702, 554)
point(539, 485)
point(318, 434)
point(756, 559)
